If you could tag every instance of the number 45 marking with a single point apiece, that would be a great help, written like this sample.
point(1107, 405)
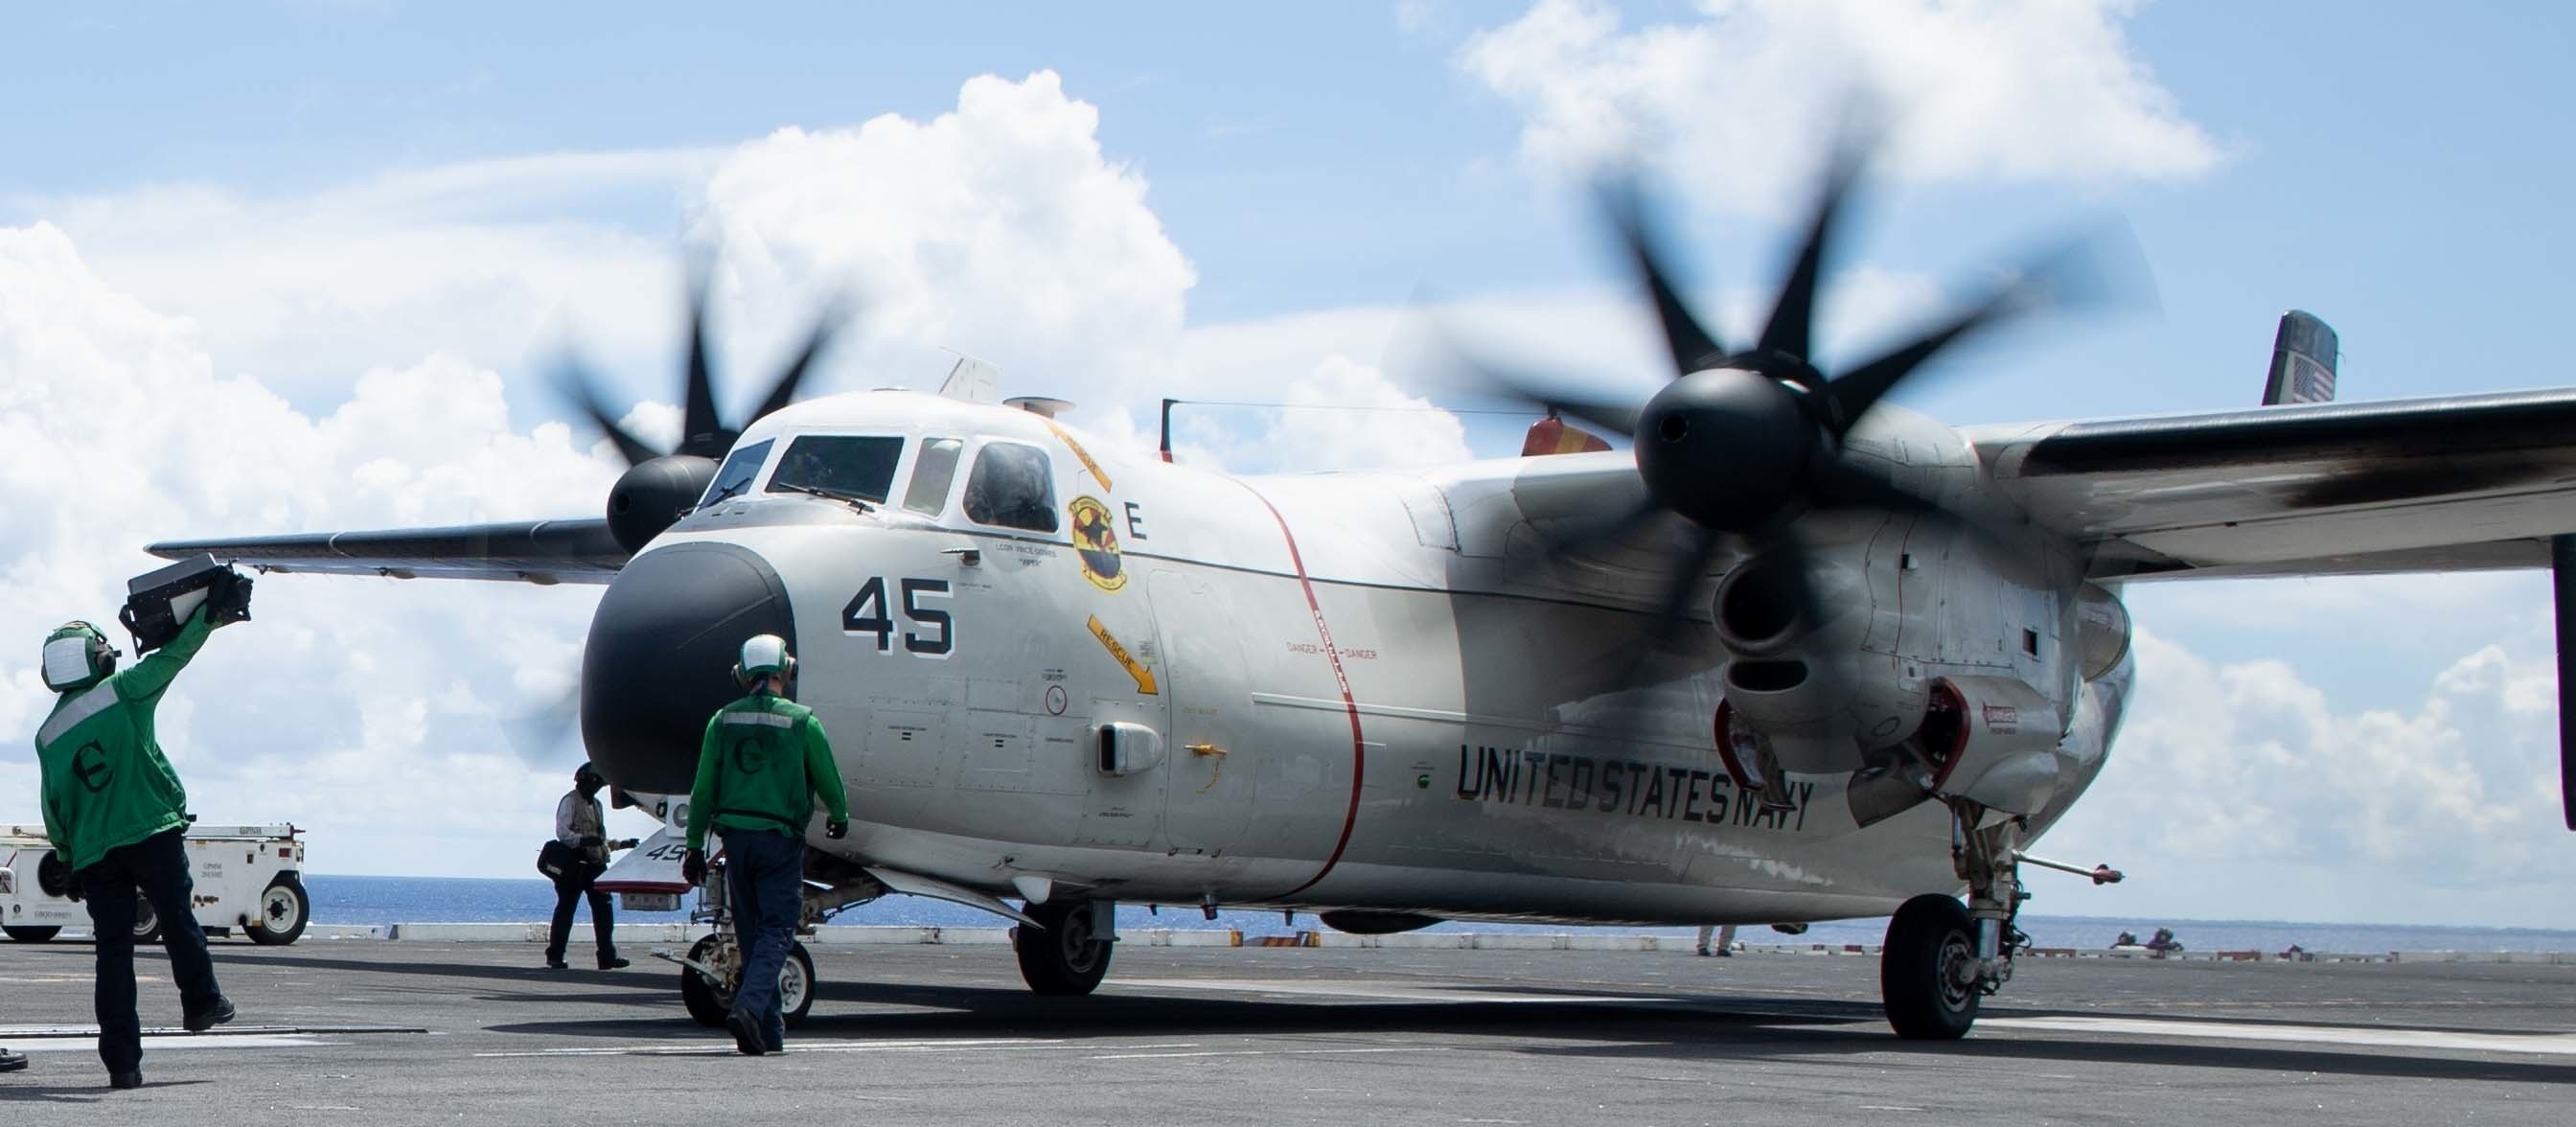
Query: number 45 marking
point(868, 614)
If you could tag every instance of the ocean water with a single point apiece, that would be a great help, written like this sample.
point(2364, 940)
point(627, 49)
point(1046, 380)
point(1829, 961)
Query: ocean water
point(386, 900)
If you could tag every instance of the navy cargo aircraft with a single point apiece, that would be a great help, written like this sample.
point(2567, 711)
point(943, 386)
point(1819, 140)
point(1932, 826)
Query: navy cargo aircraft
point(1793, 654)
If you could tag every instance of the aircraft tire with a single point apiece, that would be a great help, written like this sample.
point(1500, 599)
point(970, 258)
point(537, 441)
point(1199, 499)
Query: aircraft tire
point(1061, 957)
point(708, 1003)
point(31, 934)
point(1919, 976)
point(284, 909)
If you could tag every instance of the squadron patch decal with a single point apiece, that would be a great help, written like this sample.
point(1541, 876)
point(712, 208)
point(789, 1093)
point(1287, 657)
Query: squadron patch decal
point(1096, 544)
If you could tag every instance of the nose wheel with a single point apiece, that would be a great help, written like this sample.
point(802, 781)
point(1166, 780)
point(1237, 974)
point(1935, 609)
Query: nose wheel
point(712, 972)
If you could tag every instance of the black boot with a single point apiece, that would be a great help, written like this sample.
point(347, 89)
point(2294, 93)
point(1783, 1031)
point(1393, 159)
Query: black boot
point(211, 1016)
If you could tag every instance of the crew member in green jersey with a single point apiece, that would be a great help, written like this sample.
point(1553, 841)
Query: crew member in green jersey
point(763, 763)
point(115, 812)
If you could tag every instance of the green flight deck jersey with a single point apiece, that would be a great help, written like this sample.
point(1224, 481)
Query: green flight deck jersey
point(106, 782)
point(763, 761)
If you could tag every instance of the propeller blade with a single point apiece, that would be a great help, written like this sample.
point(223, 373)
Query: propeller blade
point(700, 426)
point(2562, 577)
point(1611, 531)
point(539, 733)
point(2076, 273)
point(783, 392)
point(573, 382)
point(1673, 616)
point(1791, 329)
point(1482, 376)
point(1836, 484)
point(1693, 346)
point(1839, 485)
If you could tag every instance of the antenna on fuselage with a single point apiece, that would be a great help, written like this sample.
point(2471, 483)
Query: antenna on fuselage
point(1043, 406)
point(971, 380)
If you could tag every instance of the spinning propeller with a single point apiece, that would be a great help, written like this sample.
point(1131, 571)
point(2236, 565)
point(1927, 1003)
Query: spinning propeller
point(1743, 441)
point(659, 487)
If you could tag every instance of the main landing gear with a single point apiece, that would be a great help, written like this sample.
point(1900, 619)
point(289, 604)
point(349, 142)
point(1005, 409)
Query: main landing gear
point(1941, 957)
point(1068, 952)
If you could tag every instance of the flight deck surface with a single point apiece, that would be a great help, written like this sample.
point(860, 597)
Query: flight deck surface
point(408, 1032)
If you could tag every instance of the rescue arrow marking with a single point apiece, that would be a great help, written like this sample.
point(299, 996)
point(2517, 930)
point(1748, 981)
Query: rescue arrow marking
point(1136, 669)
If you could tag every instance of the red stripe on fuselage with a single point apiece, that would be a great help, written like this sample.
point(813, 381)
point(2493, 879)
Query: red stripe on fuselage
point(1359, 748)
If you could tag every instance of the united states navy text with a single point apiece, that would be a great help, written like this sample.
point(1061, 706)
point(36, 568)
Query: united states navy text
point(1614, 786)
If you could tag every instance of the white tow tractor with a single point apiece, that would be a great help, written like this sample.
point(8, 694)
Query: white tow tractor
point(249, 881)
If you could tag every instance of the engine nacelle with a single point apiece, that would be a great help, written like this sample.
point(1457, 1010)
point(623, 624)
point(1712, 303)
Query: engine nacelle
point(654, 494)
point(1809, 689)
point(2005, 752)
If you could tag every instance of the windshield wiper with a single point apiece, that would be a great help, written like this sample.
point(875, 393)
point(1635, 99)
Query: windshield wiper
point(827, 493)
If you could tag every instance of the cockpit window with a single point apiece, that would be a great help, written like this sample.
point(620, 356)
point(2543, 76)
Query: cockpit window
point(932, 473)
point(1012, 487)
point(736, 473)
point(844, 466)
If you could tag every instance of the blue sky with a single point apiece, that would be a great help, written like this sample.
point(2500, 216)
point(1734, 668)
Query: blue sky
point(1315, 172)
point(2391, 174)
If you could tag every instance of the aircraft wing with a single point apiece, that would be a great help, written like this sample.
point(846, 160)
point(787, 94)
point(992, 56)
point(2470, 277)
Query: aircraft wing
point(2462, 482)
point(544, 552)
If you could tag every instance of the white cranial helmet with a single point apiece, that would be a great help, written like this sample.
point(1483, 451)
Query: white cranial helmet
point(762, 655)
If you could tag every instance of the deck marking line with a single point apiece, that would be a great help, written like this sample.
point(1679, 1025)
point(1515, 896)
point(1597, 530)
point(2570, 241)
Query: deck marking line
point(1271, 1052)
point(2551, 1044)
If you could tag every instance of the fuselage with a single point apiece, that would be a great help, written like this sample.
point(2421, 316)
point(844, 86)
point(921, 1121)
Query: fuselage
point(1040, 658)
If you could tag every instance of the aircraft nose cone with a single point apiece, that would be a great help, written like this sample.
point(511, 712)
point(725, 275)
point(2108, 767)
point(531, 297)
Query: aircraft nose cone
point(660, 657)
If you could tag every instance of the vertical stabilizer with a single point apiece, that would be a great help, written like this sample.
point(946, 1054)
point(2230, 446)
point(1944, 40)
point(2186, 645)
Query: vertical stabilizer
point(2303, 361)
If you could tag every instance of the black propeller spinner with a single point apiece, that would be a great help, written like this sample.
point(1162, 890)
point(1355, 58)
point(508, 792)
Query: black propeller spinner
point(1743, 442)
point(658, 488)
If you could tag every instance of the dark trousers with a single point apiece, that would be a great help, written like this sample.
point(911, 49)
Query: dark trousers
point(157, 868)
point(570, 888)
point(764, 884)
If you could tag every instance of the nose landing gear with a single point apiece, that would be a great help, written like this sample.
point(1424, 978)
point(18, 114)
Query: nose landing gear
point(711, 972)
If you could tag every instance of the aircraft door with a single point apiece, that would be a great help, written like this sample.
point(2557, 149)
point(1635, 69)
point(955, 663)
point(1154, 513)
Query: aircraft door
point(1212, 762)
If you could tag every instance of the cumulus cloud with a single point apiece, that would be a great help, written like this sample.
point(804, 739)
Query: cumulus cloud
point(369, 711)
point(2429, 808)
point(1734, 101)
point(1003, 230)
point(1000, 228)
point(482, 261)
